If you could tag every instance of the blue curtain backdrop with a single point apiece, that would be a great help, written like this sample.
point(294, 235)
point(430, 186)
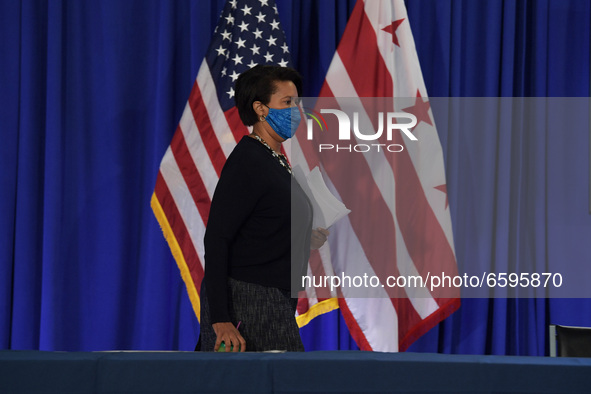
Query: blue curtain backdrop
point(91, 93)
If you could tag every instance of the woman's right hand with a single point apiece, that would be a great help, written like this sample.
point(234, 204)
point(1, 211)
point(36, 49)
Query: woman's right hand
point(318, 238)
point(229, 334)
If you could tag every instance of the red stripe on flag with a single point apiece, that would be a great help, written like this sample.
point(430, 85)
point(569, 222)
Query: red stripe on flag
point(190, 174)
point(179, 229)
point(326, 92)
point(238, 128)
point(208, 136)
point(361, 56)
point(354, 329)
point(424, 238)
point(447, 306)
point(303, 305)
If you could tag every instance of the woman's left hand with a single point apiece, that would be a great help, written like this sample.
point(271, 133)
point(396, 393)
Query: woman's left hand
point(318, 238)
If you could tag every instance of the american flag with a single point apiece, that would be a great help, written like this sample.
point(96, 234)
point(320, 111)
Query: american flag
point(409, 231)
point(248, 33)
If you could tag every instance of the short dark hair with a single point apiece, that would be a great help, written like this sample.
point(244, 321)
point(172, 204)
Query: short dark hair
point(258, 84)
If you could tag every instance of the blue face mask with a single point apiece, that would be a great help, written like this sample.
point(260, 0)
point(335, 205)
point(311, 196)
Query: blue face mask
point(284, 121)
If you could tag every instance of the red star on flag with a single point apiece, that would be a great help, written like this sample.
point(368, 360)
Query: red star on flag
point(420, 110)
point(443, 188)
point(392, 30)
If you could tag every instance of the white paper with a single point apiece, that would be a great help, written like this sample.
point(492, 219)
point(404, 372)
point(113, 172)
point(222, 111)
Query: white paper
point(327, 208)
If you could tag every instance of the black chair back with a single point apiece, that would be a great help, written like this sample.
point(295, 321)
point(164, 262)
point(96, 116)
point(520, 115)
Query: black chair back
point(573, 341)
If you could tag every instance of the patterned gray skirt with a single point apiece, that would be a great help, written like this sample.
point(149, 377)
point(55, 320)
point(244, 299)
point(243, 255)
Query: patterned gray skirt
point(267, 317)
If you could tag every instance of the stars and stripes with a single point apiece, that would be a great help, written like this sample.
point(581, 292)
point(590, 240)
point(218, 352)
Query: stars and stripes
point(248, 33)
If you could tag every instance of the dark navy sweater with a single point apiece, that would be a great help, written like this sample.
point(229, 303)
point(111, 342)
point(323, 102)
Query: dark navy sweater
point(250, 233)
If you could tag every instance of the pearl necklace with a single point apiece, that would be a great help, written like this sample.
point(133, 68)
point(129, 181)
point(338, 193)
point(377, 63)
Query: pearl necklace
point(279, 156)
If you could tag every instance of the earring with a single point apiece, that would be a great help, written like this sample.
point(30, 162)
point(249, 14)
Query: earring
point(262, 118)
